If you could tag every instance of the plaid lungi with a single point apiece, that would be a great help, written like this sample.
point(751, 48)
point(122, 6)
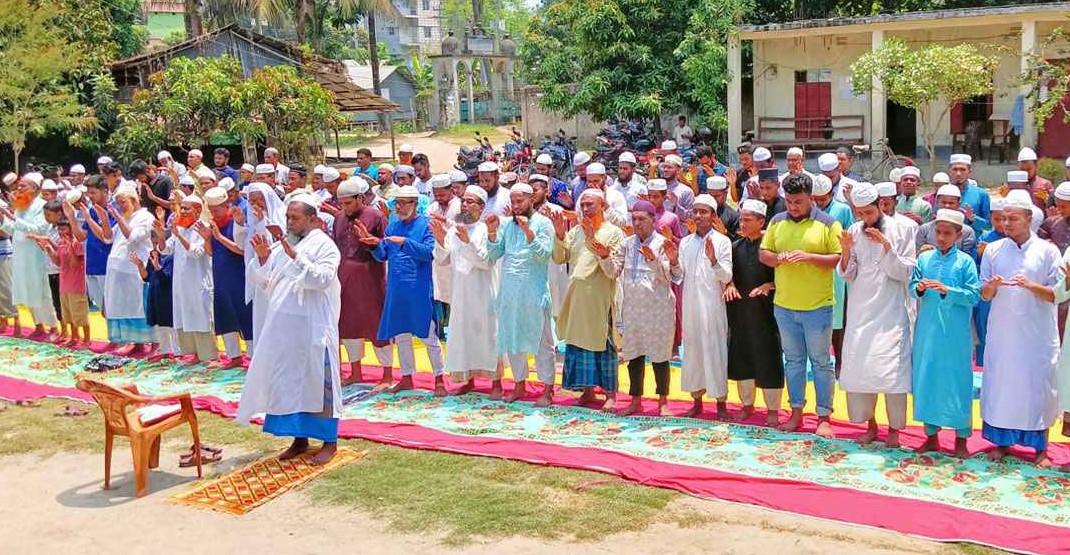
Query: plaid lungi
point(585, 368)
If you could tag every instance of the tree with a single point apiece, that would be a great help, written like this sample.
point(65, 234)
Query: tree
point(1048, 81)
point(34, 58)
point(423, 77)
point(704, 56)
point(930, 80)
point(287, 109)
point(369, 8)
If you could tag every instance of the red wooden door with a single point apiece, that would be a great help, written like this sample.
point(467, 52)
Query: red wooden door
point(813, 109)
point(1054, 140)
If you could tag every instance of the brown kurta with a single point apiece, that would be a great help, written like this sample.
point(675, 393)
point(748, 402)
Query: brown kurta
point(363, 277)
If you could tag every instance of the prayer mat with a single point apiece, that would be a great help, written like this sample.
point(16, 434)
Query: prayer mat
point(1012, 505)
point(261, 481)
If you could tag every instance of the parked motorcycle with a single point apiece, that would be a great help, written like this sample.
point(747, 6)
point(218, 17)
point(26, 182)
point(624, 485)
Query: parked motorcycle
point(562, 149)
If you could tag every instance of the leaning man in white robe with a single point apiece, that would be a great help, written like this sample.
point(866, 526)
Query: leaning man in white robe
point(877, 259)
point(293, 376)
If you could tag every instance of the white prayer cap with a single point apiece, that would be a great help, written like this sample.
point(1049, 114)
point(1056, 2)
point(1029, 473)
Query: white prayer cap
point(544, 159)
point(910, 170)
point(581, 158)
point(226, 184)
point(626, 157)
point(408, 191)
point(476, 191)
point(508, 179)
point(960, 159)
point(215, 196)
point(941, 177)
point(35, 177)
point(827, 162)
point(591, 192)
point(706, 200)
point(949, 191)
point(523, 188)
point(386, 168)
point(126, 190)
point(77, 169)
point(193, 199)
point(895, 175)
point(1020, 199)
point(1027, 155)
point(352, 187)
point(318, 168)
point(440, 181)
point(864, 194)
point(998, 204)
point(1017, 176)
point(796, 151)
point(195, 152)
point(538, 177)
point(953, 217)
point(49, 185)
point(305, 198)
point(331, 174)
point(186, 179)
point(204, 173)
point(761, 154)
point(1062, 192)
point(668, 145)
point(886, 189)
point(485, 167)
point(104, 160)
point(247, 167)
point(458, 176)
point(10, 178)
point(596, 168)
point(264, 169)
point(822, 185)
point(409, 170)
point(406, 148)
point(657, 185)
point(675, 159)
point(753, 205)
point(72, 196)
point(716, 183)
point(163, 155)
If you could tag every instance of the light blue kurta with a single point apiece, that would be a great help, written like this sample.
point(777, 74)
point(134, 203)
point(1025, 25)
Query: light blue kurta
point(977, 198)
point(524, 294)
point(842, 213)
point(30, 283)
point(943, 348)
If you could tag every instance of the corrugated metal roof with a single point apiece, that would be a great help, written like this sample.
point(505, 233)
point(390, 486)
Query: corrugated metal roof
point(362, 74)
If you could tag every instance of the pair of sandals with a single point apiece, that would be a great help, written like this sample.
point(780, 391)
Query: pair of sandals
point(209, 455)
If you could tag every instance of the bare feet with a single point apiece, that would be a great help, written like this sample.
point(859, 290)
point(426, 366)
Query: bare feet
point(495, 390)
point(519, 390)
point(772, 418)
point(611, 403)
point(587, 397)
point(466, 388)
point(547, 397)
point(1042, 460)
point(892, 441)
point(869, 436)
point(632, 407)
point(383, 385)
point(355, 375)
point(440, 386)
point(127, 349)
point(695, 410)
point(747, 412)
point(405, 384)
point(300, 445)
point(325, 454)
point(793, 423)
point(663, 407)
point(997, 454)
point(932, 443)
point(824, 428)
point(960, 448)
point(722, 411)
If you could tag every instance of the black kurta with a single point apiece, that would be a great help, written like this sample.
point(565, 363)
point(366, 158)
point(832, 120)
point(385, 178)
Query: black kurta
point(753, 339)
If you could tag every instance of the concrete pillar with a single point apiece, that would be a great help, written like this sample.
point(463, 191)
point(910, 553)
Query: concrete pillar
point(878, 105)
point(735, 95)
point(455, 91)
point(470, 72)
point(1029, 43)
point(494, 83)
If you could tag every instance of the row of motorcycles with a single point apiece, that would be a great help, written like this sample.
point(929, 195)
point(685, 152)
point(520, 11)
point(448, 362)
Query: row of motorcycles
point(618, 136)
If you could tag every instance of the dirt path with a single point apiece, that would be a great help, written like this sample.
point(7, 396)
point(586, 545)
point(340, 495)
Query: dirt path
point(55, 505)
point(443, 154)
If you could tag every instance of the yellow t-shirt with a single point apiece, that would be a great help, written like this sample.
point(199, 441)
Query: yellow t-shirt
point(803, 286)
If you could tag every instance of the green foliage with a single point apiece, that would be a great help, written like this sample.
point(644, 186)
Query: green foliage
point(422, 75)
point(194, 99)
point(1051, 169)
point(174, 38)
point(35, 99)
point(456, 15)
point(1048, 80)
point(102, 30)
point(704, 56)
point(934, 76)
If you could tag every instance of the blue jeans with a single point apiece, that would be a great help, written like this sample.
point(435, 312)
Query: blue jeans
point(807, 334)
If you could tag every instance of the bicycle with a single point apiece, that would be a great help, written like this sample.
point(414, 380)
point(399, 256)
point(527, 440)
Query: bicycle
point(888, 161)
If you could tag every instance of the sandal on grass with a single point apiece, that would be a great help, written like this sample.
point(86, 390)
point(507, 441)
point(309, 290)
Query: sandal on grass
point(72, 411)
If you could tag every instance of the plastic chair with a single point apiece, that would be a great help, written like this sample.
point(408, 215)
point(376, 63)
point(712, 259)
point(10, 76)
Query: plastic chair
point(142, 420)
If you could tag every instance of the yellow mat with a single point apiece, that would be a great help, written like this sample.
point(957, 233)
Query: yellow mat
point(261, 481)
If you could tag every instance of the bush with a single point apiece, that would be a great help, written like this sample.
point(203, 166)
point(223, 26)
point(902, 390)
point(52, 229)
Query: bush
point(1051, 169)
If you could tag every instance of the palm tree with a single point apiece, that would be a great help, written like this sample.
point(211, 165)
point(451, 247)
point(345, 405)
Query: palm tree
point(369, 8)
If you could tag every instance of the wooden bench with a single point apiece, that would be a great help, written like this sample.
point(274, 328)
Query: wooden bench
point(778, 134)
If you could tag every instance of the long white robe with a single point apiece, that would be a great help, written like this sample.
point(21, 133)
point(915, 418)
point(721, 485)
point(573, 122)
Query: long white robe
point(441, 276)
point(648, 304)
point(30, 283)
point(877, 340)
point(122, 280)
point(274, 214)
point(1018, 391)
point(473, 322)
point(704, 320)
point(557, 274)
point(287, 371)
point(191, 283)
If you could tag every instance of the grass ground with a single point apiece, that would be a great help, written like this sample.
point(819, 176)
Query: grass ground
point(463, 498)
